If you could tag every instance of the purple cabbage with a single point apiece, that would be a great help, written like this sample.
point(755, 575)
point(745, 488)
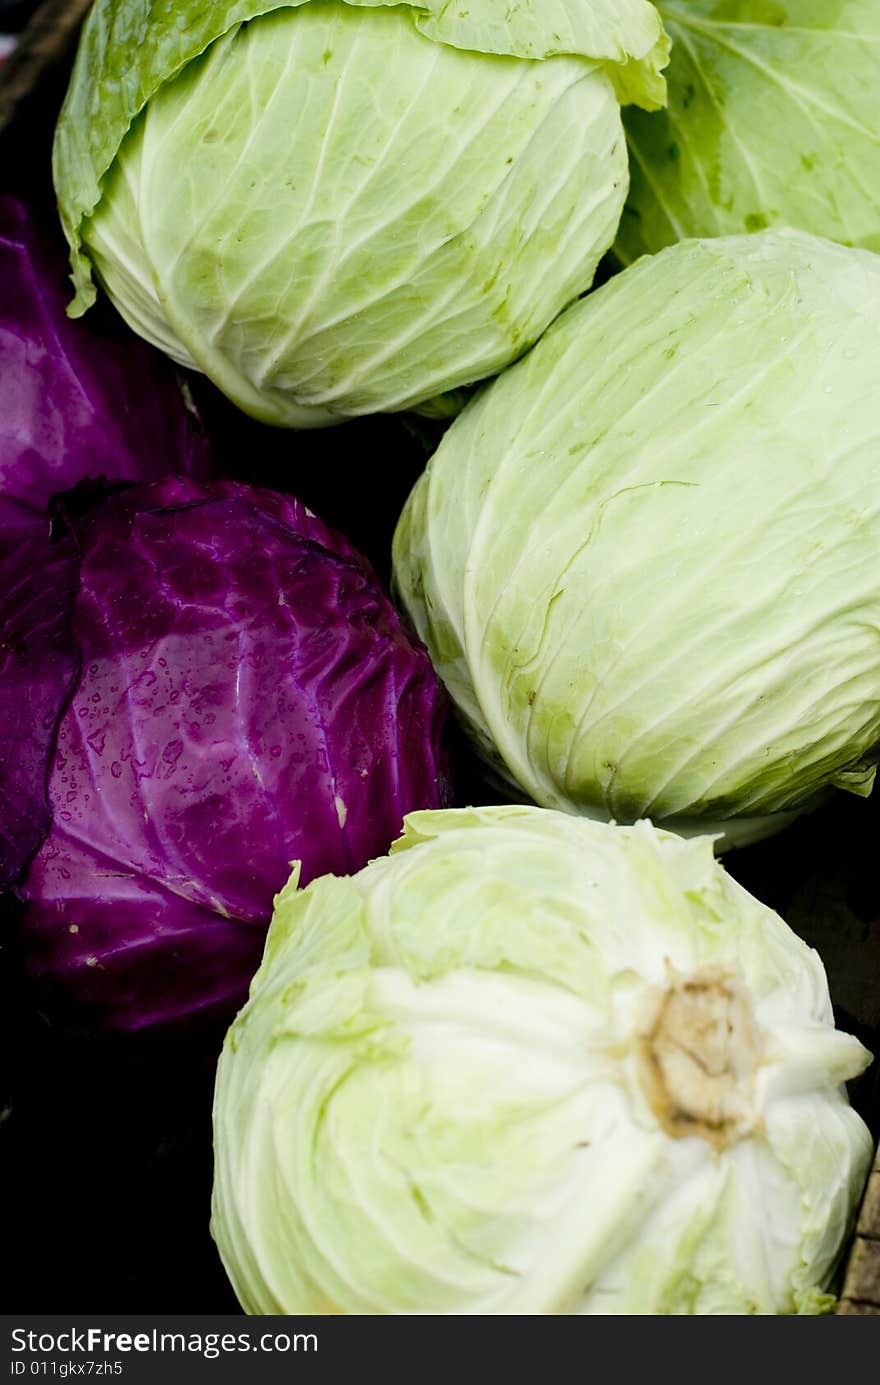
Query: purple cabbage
point(38, 665)
point(247, 697)
point(76, 400)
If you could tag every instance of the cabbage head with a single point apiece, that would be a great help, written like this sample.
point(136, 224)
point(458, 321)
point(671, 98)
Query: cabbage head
point(644, 560)
point(336, 207)
point(213, 684)
point(773, 119)
point(532, 1064)
point(77, 402)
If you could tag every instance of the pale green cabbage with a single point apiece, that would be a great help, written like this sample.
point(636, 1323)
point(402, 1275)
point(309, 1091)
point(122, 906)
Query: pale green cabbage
point(337, 208)
point(645, 560)
point(773, 119)
point(532, 1064)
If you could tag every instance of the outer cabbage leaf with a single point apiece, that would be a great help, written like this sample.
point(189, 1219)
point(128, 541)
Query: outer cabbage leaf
point(773, 119)
point(130, 48)
point(627, 35)
point(247, 698)
point(436, 1099)
point(643, 559)
point(38, 667)
point(76, 401)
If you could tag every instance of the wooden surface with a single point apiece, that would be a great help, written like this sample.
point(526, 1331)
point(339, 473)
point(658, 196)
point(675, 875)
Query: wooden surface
point(819, 875)
point(861, 1289)
point(46, 41)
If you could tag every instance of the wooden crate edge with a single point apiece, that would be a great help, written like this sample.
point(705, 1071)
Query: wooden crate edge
point(46, 40)
point(861, 1289)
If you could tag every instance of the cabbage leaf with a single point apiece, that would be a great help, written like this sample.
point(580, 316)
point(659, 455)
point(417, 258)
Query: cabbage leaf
point(773, 118)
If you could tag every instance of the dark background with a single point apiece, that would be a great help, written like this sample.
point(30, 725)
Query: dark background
point(105, 1145)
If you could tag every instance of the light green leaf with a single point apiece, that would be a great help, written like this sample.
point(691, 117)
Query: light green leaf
point(773, 119)
point(626, 34)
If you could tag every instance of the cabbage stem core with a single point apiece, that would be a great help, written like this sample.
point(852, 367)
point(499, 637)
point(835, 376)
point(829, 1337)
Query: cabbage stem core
point(699, 1057)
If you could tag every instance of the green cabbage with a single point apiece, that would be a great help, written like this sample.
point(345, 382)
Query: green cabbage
point(532, 1064)
point(773, 119)
point(336, 208)
point(644, 560)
